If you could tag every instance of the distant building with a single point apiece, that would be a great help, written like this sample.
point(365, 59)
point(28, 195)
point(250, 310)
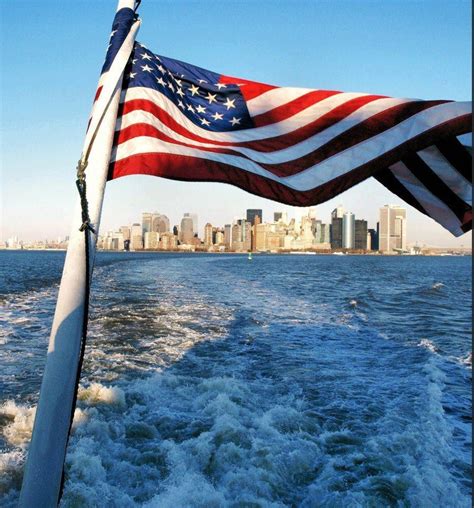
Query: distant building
point(187, 229)
point(252, 213)
point(147, 219)
point(374, 240)
point(392, 233)
point(160, 223)
point(338, 212)
point(125, 230)
point(360, 236)
point(168, 241)
point(151, 239)
point(348, 230)
point(228, 236)
point(336, 233)
point(208, 235)
point(256, 223)
point(136, 237)
point(219, 238)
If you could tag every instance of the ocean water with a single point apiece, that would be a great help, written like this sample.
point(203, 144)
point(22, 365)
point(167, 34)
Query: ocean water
point(215, 381)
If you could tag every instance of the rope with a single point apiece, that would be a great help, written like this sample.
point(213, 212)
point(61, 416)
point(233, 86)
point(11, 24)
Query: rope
point(87, 228)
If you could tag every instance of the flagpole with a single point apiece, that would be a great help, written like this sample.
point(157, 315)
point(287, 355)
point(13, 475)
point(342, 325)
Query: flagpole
point(44, 467)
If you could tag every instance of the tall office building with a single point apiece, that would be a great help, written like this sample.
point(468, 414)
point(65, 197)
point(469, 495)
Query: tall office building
point(136, 237)
point(147, 219)
point(348, 230)
point(208, 235)
point(194, 218)
point(125, 230)
point(336, 233)
point(360, 236)
point(228, 235)
point(392, 233)
point(256, 223)
point(187, 229)
point(160, 223)
point(252, 213)
point(374, 239)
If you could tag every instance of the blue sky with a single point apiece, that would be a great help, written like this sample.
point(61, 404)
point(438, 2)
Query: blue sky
point(52, 52)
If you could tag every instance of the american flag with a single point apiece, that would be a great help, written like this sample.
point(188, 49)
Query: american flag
point(297, 146)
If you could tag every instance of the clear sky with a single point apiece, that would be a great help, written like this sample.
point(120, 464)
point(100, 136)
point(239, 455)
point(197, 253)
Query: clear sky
point(52, 52)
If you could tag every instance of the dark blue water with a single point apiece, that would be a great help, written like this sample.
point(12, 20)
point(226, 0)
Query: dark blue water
point(212, 380)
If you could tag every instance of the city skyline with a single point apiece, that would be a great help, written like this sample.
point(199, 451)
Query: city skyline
point(431, 58)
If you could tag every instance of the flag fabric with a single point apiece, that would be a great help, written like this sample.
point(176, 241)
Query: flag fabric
point(297, 146)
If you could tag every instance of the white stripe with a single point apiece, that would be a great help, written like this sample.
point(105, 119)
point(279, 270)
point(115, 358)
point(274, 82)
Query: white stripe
point(450, 176)
point(434, 206)
point(319, 174)
point(274, 98)
point(256, 133)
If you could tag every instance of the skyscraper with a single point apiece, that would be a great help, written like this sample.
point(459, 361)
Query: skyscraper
point(360, 237)
point(187, 230)
point(147, 219)
point(392, 234)
point(336, 233)
point(374, 239)
point(348, 230)
point(252, 213)
point(208, 235)
point(136, 237)
point(160, 223)
point(228, 235)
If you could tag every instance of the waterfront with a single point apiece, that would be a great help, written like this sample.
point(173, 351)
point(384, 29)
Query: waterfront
point(285, 380)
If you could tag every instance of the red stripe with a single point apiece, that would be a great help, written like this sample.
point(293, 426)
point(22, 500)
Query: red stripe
point(97, 94)
point(291, 108)
point(249, 89)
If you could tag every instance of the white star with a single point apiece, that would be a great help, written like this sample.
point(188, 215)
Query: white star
point(145, 56)
point(220, 85)
point(180, 104)
point(194, 90)
point(229, 103)
point(158, 58)
point(160, 81)
point(113, 33)
point(190, 108)
point(134, 61)
point(145, 68)
point(235, 121)
point(132, 75)
point(170, 85)
point(177, 81)
point(211, 97)
point(161, 69)
point(180, 92)
point(217, 116)
point(204, 122)
point(202, 81)
point(201, 109)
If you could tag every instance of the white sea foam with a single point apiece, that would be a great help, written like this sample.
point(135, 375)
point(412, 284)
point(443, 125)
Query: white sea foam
point(427, 344)
point(437, 285)
point(96, 393)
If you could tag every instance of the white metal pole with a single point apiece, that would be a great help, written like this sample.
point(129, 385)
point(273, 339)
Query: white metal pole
point(44, 467)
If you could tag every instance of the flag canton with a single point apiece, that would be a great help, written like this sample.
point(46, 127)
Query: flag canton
point(197, 92)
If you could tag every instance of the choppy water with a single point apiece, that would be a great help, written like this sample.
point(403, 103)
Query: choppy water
point(212, 380)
